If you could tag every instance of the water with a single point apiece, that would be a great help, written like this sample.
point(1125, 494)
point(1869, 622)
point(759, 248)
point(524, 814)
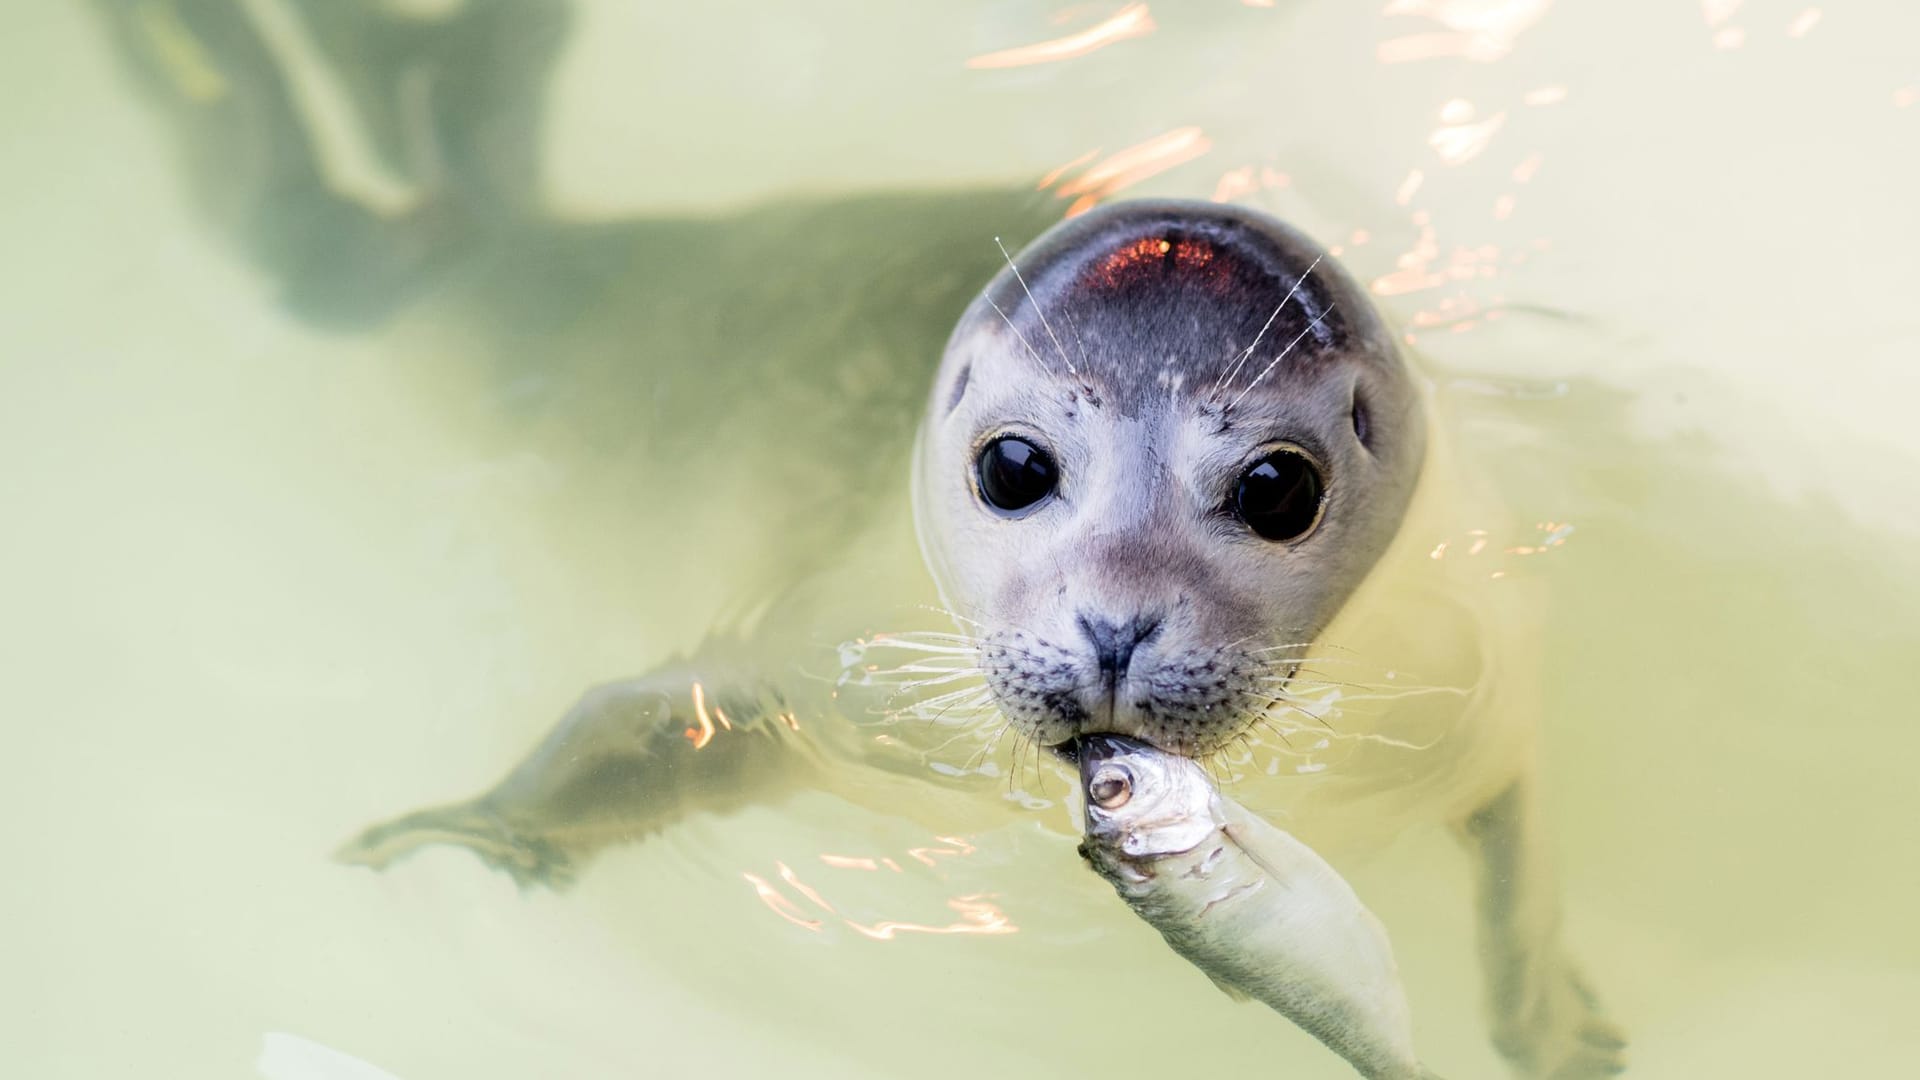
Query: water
point(269, 578)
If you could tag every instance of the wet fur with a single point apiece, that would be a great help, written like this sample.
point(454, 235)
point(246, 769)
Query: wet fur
point(1156, 349)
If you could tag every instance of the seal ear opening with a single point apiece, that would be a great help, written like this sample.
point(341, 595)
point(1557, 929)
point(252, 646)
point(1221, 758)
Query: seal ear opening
point(1362, 425)
point(959, 390)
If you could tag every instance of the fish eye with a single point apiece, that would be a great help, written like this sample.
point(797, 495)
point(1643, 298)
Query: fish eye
point(1111, 787)
point(1279, 496)
point(1014, 474)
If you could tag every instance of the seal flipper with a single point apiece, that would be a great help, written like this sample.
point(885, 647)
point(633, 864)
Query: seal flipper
point(628, 759)
point(529, 860)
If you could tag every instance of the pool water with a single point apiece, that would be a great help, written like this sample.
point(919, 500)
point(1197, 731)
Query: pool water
point(280, 562)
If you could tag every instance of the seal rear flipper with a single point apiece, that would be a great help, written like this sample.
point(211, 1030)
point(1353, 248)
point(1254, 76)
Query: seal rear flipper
point(628, 759)
point(529, 859)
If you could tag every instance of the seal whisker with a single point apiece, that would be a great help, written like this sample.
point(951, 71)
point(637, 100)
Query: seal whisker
point(1037, 309)
point(1013, 763)
point(908, 674)
point(974, 721)
point(1289, 702)
point(978, 759)
point(1227, 378)
point(1317, 680)
point(1264, 372)
point(1418, 691)
point(1297, 665)
point(930, 639)
point(1031, 351)
point(957, 646)
point(941, 698)
point(1079, 342)
point(945, 744)
point(1300, 645)
point(1040, 768)
point(941, 680)
point(1351, 661)
point(948, 698)
point(950, 613)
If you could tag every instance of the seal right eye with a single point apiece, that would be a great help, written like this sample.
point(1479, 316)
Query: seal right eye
point(1015, 474)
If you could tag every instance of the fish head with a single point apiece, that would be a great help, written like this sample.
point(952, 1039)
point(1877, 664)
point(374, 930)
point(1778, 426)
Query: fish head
point(1142, 802)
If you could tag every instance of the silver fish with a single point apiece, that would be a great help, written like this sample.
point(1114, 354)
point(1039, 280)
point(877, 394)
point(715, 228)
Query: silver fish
point(1256, 910)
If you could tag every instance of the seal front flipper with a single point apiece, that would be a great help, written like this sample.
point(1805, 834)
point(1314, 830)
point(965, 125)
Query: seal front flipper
point(628, 759)
point(1546, 1020)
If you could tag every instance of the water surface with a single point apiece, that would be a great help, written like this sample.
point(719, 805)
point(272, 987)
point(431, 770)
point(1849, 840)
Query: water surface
point(269, 574)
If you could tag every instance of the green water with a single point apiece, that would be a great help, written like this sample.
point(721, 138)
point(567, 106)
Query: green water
point(266, 576)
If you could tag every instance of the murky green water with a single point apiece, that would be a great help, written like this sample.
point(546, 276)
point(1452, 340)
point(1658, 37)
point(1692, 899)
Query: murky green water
point(286, 552)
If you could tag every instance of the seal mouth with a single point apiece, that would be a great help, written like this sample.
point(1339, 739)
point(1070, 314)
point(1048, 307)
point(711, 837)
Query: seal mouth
point(1187, 700)
point(1076, 748)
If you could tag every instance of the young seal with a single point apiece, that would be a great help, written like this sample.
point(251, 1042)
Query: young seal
point(1169, 447)
point(1157, 465)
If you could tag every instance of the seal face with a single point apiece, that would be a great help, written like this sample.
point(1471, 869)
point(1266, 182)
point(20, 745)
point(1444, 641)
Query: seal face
point(1158, 457)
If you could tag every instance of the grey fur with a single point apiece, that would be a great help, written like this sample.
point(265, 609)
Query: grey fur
point(1152, 405)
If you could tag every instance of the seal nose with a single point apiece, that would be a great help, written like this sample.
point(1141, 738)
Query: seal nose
point(1114, 643)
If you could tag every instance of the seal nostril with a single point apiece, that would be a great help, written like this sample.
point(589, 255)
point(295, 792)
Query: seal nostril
point(1114, 643)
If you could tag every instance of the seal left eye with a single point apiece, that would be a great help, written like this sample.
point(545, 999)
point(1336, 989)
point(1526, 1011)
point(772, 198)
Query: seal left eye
point(1279, 496)
point(1015, 474)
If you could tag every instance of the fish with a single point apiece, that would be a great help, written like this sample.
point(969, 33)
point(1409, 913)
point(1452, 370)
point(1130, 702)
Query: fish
point(1259, 912)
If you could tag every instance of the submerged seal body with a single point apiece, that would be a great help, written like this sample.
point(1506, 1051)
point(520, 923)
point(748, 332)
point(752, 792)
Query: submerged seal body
point(1168, 451)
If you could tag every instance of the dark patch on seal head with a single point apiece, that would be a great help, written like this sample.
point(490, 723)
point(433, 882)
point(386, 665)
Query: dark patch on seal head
point(1155, 256)
point(1115, 294)
point(1362, 426)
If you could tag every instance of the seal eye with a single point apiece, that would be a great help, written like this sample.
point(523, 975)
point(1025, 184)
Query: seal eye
point(1279, 497)
point(1111, 788)
point(1015, 474)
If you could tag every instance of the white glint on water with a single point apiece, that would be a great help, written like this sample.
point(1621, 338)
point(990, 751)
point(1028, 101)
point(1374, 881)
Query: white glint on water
point(285, 1056)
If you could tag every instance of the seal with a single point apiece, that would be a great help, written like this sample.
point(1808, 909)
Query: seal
point(1167, 459)
point(1166, 450)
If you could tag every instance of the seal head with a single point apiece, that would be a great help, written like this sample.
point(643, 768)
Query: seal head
point(1155, 462)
